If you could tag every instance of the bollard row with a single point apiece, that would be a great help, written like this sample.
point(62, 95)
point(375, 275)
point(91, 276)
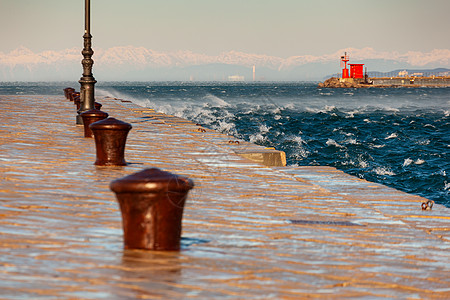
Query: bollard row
point(110, 134)
point(151, 201)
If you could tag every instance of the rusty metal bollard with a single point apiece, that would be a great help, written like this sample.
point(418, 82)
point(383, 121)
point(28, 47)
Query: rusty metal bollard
point(67, 90)
point(89, 117)
point(110, 138)
point(152, 203)
point(69, 94)
point(97, 105)
point(72, 95)
point(77, 101)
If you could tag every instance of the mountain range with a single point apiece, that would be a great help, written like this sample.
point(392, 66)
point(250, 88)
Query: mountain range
point(131, 63)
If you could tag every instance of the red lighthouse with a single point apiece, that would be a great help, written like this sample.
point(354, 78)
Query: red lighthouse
point(356, 70)
point(344, 61)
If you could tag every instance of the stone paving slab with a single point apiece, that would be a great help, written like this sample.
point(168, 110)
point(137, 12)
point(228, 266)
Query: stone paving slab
point(249, 231)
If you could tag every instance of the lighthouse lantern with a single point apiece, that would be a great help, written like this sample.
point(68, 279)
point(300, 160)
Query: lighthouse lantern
point(344, 61)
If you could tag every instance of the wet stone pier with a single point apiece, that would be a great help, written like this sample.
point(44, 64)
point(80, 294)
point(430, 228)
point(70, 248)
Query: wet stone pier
point(252, 229)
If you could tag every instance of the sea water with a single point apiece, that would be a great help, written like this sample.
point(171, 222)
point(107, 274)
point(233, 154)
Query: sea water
point(399, 137)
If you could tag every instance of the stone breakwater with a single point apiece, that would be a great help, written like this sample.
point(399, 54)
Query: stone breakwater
point(250, 230)
point(334, 82)
point(381, 82)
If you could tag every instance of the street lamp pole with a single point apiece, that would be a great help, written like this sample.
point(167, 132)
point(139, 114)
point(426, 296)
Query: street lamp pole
point(87, 81)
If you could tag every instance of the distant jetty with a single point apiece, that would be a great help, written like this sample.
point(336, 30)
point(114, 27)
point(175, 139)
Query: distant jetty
point(384, 82)
point(354, 77)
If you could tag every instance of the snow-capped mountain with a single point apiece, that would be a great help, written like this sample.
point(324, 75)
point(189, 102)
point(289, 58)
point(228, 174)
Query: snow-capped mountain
point(139, 63)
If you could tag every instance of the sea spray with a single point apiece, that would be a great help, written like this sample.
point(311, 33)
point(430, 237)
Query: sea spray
point(374, 134)
point(395, 136)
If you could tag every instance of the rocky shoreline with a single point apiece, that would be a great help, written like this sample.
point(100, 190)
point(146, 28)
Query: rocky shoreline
point(334, 82)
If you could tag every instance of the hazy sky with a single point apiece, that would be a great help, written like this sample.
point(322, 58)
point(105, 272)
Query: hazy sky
point(275, 27)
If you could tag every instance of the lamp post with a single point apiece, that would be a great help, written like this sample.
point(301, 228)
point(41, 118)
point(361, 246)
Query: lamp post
point(87, 81)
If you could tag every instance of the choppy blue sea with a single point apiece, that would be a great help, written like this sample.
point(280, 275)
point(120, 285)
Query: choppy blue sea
point(399, 137)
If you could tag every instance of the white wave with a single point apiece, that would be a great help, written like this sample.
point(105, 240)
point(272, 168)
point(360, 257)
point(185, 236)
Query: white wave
point(407, 162)
point(301, 153)
point(247, 112)
point(419, 161)
point(363, 163)
point(378, 146)
point(228, 128)
point(100, 92)
point(276, 110)
point(326, 109)
point(299, 140)
point(329, 108)
point(360, 162)
point(383, 171)
point(391, 136)
point(311, 110)
point(290, 106)
point(447, 186)
point(257, 137)
point(352, 142)
point(204, 116)
point(423, 142)
point(347, 163)
point(351, 114)
point(216, 101)
point(279, 133)
point(264, 128)
point(332, 142)
point(227, 114)
point(390, 109)
point(277, 117)
point(179, 114)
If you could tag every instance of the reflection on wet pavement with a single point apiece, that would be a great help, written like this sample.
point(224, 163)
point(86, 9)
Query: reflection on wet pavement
point(249, 231)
